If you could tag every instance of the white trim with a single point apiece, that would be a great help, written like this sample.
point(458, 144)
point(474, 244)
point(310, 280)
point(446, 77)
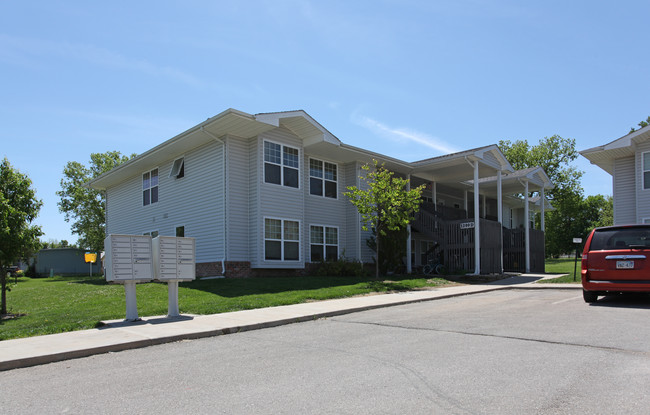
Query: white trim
point(281, 240)
point(281, 164)
point(325, 244)
point(323, 179)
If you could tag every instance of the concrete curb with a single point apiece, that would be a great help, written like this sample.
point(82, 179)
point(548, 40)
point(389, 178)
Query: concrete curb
point(117, 336)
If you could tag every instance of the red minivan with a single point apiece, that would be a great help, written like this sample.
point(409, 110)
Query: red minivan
point(616, 259)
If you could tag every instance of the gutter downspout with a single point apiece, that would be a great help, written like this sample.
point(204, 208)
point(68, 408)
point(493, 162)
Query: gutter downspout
point(225, 188)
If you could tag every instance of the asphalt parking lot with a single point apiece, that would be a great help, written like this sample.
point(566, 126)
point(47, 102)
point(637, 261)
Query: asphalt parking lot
point(507, 352)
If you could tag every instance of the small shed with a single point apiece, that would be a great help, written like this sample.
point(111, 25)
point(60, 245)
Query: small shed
point(64, 261)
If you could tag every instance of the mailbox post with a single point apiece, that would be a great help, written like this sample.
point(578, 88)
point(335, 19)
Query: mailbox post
point(576, 241)
point(174, 261)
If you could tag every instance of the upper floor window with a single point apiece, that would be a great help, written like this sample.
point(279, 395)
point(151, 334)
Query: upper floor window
point(150, 187)
point(646, 170)
point(178, 168)
point(322, 178)
point(281, 164)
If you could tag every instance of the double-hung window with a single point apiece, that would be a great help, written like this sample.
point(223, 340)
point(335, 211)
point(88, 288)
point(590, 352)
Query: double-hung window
point(322, 178)
point(323, 243)
point(281, 240)
point(281, 164)
point(646, 170)
point(150, 187)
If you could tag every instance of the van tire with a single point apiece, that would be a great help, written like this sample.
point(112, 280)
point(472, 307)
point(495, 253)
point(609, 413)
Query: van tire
point(590, 296)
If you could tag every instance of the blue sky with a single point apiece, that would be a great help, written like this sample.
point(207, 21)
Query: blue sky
point(410, 79)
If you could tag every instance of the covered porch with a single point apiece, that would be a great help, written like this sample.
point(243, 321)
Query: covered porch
point(476, 213)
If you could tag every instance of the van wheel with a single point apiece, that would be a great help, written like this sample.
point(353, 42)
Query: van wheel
point(590, 296)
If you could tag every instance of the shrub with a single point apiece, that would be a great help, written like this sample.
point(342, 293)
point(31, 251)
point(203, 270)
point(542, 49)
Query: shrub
point(342, 267)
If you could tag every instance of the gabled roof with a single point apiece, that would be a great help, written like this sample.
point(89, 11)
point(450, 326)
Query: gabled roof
point(512, 183)
point(317, 140)
point(446, 168)
point(604, 156)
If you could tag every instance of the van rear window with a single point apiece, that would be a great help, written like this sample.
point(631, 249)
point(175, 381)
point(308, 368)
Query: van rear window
point(620, 238)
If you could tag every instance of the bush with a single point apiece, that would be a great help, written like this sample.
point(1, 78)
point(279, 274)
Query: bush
point(342, 267)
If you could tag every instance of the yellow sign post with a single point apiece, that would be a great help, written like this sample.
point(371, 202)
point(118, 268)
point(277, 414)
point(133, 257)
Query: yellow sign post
point(91, 258)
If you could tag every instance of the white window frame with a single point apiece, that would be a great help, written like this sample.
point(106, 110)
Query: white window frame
point(324, 243)
point(282, 239)
point(281, 164)
point(150, 186)
point(644, 185)
point(645, 220)
point(178, 167)
point(176, 229)
point(323, 179)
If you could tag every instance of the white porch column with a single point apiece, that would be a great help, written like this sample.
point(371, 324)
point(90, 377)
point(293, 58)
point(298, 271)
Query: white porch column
point(500, 216)
point(409, 266)
point(527, 227)
point(477, 221)
point(543, 202)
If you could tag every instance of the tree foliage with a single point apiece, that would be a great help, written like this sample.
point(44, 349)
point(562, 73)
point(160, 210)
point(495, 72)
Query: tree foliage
point(83, 206)
point(641, 124)
point(555, 155)
point(385, 203)
point(18, 208)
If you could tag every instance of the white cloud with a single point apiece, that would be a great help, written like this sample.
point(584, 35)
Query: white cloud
point(404, 135)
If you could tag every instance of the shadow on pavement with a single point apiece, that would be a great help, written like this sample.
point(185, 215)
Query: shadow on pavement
point(624, 300)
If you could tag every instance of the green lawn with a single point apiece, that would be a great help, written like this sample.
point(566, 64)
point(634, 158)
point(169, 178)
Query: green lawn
point(562, 266)
point(54, 305)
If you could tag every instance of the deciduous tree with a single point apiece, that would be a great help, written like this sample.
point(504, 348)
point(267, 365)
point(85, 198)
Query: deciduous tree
point(385, 203)
point(18, 208)
point(84, 206)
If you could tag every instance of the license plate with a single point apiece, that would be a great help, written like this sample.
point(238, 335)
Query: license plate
point(624, 264)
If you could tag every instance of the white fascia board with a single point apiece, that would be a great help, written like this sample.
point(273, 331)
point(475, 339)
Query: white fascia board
point(139, 163)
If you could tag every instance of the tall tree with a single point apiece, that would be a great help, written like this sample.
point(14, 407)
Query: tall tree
point(385, 203)
point(555, 155)
point(85, 206)
point(18, 208)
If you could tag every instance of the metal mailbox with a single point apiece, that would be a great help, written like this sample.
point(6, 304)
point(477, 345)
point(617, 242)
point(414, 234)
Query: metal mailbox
point(128, 258)
point(174, 258)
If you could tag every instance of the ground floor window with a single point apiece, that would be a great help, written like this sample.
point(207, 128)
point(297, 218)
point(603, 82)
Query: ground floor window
point(324, 243)
point(281, 240)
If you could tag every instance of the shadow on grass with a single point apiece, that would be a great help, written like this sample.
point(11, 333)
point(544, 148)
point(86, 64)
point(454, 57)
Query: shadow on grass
point(230, 287)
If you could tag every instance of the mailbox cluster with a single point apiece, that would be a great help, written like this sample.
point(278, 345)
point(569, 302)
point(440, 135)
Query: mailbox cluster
point(131, 259)
point(140, 258)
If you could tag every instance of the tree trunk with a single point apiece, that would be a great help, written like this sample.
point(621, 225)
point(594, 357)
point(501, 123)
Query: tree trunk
point(377, 259)
point(3, 283)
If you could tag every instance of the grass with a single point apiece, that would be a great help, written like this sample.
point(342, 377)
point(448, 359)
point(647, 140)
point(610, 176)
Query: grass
point(60, 304)
point(562, 266)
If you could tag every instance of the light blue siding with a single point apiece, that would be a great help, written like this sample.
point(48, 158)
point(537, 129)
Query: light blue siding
point(194, 201)
point(624, 189)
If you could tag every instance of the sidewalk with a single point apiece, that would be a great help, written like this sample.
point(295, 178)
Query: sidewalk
point(120, 335)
